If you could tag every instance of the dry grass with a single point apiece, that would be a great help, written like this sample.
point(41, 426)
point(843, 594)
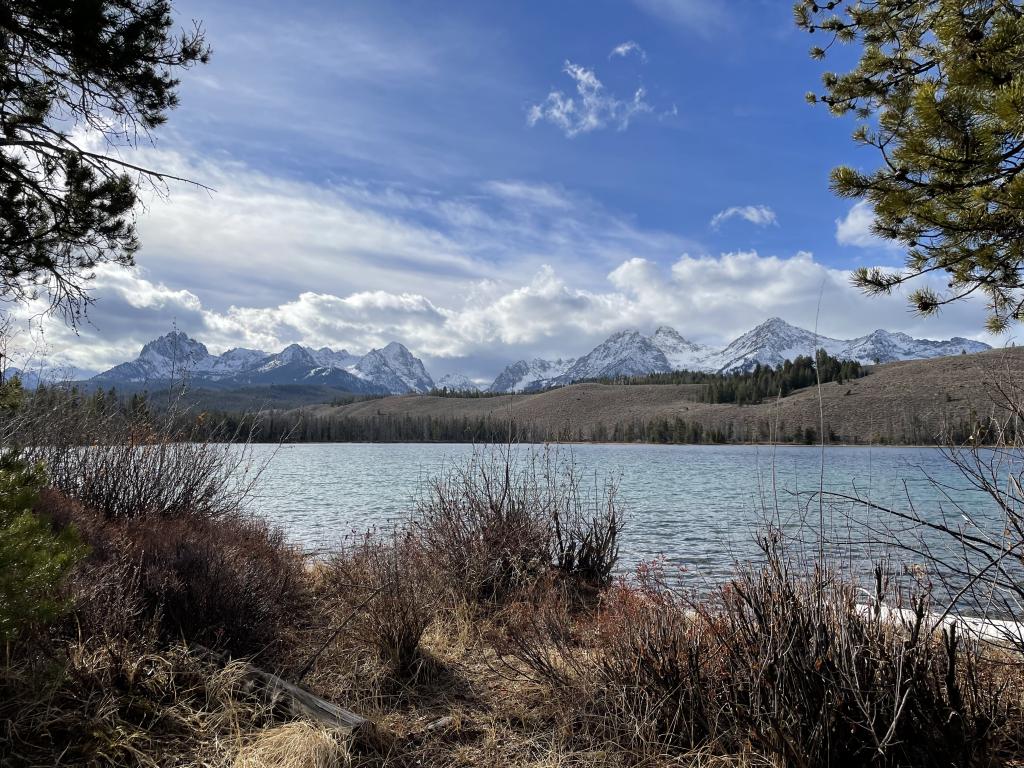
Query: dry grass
point(294, 745)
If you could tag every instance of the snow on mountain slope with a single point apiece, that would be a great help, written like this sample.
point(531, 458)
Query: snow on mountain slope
point(456, 382)
point(772, 342)
point(885, 347)
point(535, 374)
point(232, 362)
point(395, 369)
point(392, 369)
point(293, 354)
point(627, 353)
point(328, 358)
point(170, 356)
point(681, 353)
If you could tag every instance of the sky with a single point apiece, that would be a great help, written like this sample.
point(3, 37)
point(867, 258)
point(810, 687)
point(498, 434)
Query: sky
point(486, 181)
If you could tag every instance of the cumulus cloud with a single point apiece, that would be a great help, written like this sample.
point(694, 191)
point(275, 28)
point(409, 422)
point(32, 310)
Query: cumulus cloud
point(627, 48)
point(707, 298)
point(761, 215)
point(513, 269)
point(856, 229)
point(591, 108)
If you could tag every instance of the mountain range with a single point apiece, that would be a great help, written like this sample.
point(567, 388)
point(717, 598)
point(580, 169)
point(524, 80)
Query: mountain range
point(630, 353)
point(393, 369)
point(390, 370)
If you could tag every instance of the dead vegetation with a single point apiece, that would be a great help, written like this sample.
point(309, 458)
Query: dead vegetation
point(486, 629)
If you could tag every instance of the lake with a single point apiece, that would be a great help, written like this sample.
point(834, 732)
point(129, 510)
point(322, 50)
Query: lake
point(698, 506)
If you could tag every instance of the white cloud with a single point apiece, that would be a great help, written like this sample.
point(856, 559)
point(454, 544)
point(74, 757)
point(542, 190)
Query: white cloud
point(707, 298)
point(626, 48)
point(761, 215)
point(591, 109)
point(856, 229)
point(470, 283)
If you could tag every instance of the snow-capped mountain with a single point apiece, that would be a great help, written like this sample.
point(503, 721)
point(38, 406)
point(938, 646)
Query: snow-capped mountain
point(395, 369)
point(887, 346)
point(456, 382)
point(681, 353)
point(630, 353)
point(234, 361)
point(775, 341)
point(175, 356)
point(772, 342)
point(166, 358)
point(627, 353)
point(524, 376)
point(329, 358)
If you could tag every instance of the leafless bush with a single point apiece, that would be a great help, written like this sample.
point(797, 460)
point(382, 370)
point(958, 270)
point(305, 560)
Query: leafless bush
point(388, 593)
point(968, 543)
point(499, 523)
point(781, 661)
point(820, 680)
point(126, 464)
point(641, 671)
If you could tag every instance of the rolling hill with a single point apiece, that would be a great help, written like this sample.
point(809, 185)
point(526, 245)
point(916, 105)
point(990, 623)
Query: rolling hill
point(901, 402)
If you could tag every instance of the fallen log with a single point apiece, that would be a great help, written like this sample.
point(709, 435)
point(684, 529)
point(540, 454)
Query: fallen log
point(281, 695)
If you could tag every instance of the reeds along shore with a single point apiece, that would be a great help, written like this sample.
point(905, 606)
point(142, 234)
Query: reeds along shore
point(487, 629)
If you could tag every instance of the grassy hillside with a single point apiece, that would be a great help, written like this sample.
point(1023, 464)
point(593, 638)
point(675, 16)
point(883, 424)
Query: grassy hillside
point(909, 402)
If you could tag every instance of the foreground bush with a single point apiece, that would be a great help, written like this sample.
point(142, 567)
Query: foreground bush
point(499, 524)
point(232, 583)
point(388, 589)
point(126, 463)
point(784, 663)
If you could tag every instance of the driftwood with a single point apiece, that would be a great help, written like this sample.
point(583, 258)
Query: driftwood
point(280, 695)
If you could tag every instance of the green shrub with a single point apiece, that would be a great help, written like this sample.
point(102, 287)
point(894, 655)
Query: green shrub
point(33, 559)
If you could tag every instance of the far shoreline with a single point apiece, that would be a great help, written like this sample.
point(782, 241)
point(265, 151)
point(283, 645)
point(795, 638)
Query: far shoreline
point(815, 446)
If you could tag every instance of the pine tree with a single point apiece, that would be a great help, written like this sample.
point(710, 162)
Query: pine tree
point(33, 558)
point(102, 69)
point(939, 92)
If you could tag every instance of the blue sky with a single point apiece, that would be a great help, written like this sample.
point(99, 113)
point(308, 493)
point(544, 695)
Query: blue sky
point(485, 181)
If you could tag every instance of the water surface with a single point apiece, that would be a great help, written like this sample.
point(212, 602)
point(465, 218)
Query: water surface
point(698, 506)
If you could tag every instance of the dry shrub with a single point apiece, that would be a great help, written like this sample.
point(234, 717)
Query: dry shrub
point(783, 663)
point(126, 464)
point(659, 667)
point(387, 595)
point(636, 673)
point(815, 679)
point(497, 525)
point(233, 582)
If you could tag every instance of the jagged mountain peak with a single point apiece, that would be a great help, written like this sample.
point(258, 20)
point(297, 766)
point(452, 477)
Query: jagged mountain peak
point(626, 353)
point(175, 345)
point(395, 368)
point(523, 376)
point(392, 369)
point(292, 354)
